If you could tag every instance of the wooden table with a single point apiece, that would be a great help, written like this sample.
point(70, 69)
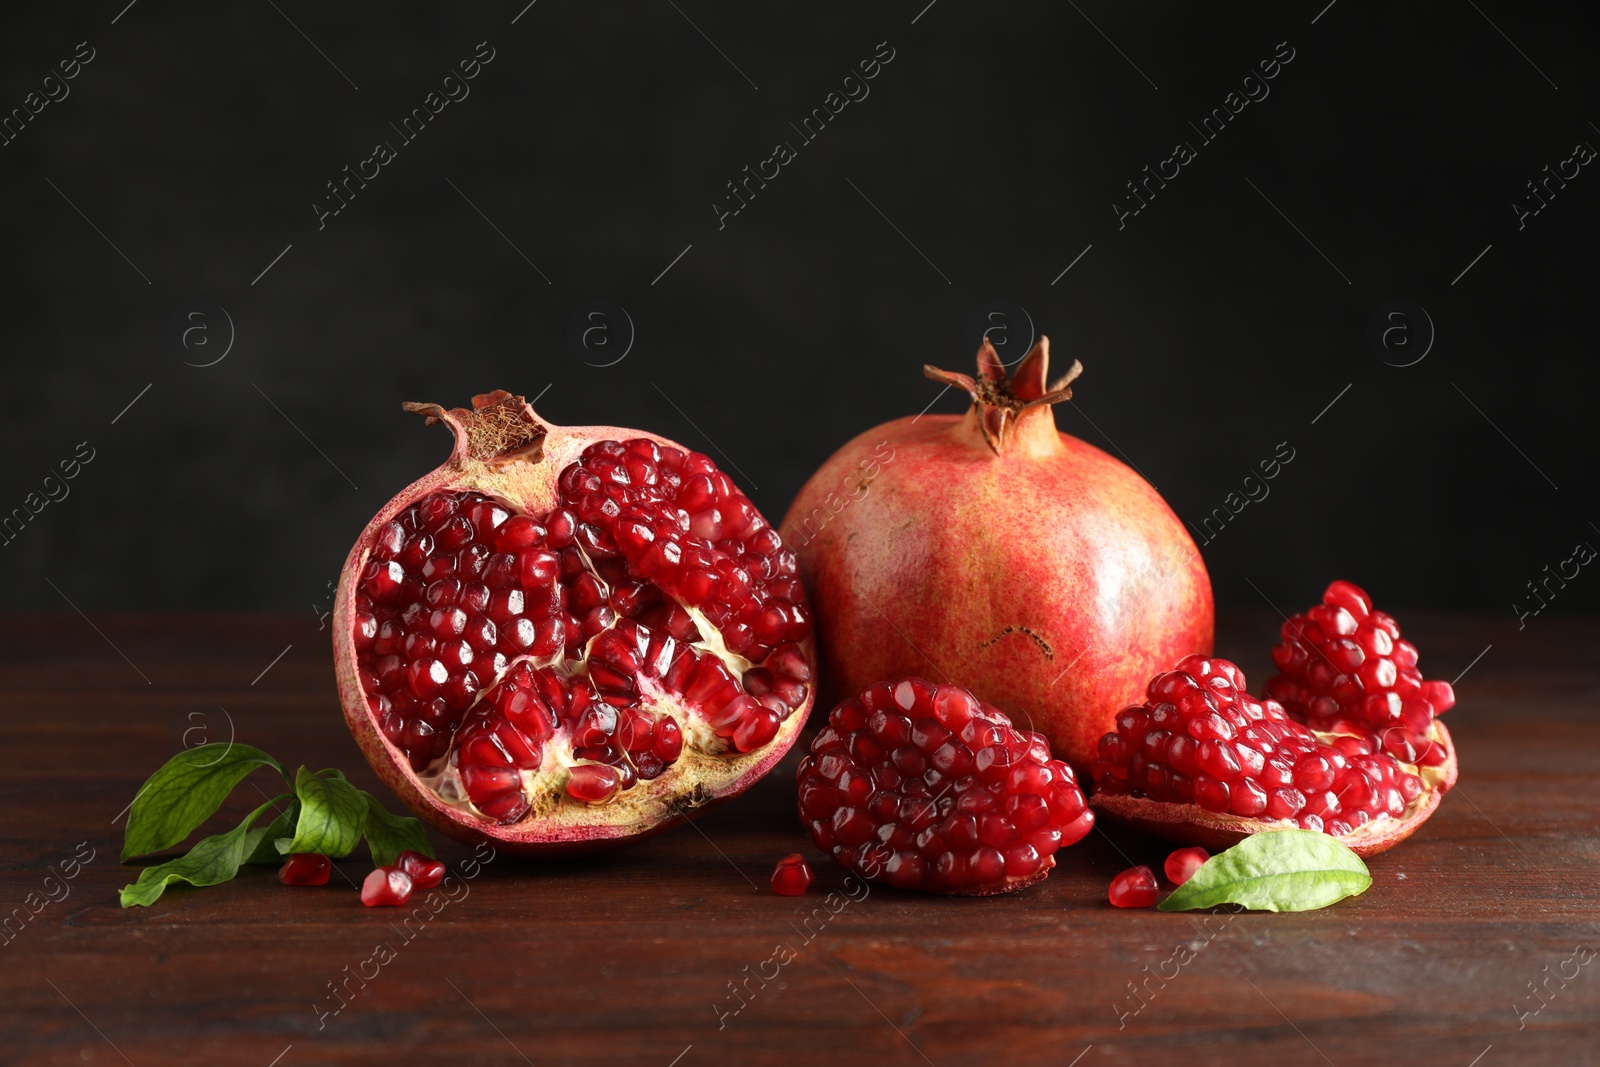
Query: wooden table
point(626, 959)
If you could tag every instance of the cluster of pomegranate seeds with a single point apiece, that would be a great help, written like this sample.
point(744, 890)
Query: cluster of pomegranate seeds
point(792, 876)
point(1181, 865)
point(925, 787)
point(1344, 668)
point(305, 868)
point(503, 639)
point(1133, 888)
point(1202, 739)
point(386, 887)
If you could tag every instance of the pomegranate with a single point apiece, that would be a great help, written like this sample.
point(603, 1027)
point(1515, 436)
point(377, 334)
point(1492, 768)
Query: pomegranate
point(792, 876)
point(991, 550)
point(1202, 762)
point(1344, 668)
point(1133, 888)
point(1181, 865)
point(925, 787)
point(566, 637)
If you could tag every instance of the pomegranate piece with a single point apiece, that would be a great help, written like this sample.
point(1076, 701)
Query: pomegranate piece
point(1344, 668)
point(988, 511)
point(1134, 888)
point(566, 637)
point(386, 887)
point(425, 873)
point(1203, 762)
point(792, 876)
point(305, 868)
point(926, 787)
point(1181, 865)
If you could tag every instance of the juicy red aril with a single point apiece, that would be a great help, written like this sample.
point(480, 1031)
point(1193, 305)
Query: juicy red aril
point(386, 887)
point(925, 787)
point(1133, 888)
point(1181, 865)
point(1343, 662)
point(585, 613)
point(792, 876)
point(425, 873)
point(1246, 757)
point(305, 868)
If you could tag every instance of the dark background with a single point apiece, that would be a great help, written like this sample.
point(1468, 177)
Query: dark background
point(996, 141)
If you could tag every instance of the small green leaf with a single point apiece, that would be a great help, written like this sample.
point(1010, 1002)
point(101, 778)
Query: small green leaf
point(331, 815)
point(212, 860)
point(186, 792)
point(389, 835)
point(1276, 870)
point(282, 829)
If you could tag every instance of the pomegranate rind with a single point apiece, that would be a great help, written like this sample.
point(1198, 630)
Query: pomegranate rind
point(528, 469)
point(1190, 824)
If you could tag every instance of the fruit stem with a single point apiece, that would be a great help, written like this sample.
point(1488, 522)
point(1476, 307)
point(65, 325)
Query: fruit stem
point(1006, 412)
point(497, 429)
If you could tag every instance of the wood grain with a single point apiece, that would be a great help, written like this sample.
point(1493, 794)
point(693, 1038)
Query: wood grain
point(633, 958)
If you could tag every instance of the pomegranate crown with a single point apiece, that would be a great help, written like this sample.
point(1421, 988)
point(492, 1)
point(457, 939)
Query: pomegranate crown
point(999, 403)
point(499, 427)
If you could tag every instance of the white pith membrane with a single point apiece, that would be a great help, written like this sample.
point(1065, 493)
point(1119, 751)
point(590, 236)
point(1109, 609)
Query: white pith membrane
point(627, 648)
point(1179, 822)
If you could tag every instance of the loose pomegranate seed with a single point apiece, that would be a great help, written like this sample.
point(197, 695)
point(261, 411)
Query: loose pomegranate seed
point(305, 868)
point(386, 887)
point(792, 876)
point(425, 873)
point(925, 787)
point(1134, 888)
point(484, 635)
point(1344, 668)
point(1182, 864)
point(1201, 739)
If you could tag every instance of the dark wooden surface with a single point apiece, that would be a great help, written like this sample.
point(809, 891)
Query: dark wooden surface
point(624, 959)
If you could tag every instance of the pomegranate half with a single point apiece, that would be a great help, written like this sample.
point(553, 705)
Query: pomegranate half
point(993, 552)
point(1202, 762)
point(566, 637)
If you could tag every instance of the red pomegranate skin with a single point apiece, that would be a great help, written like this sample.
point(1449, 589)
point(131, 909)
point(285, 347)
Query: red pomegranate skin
point(994, 552)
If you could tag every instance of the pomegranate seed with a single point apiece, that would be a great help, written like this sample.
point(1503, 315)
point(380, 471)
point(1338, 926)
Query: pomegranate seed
point(592, 782)
point(1134, 888)
point(792, 876)
point(386, 887)
point(1181, 865)
point(305, 868)
point(425, 873)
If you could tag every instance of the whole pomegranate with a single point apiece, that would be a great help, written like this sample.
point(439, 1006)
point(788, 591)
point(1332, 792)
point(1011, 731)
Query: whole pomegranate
point(992, 551)
point(569, 636)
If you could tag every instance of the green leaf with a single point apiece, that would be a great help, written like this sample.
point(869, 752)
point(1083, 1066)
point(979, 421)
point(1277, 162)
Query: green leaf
point(212, 860)
point(1276, 870)
point(331, 815)
point(389, 835)
point(186, 792)
point(282, 829)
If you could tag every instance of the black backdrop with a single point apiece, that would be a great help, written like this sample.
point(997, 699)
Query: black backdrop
point(175, 176)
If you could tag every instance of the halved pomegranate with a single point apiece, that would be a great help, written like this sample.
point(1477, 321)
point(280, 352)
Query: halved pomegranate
point(569, 636)
point(1202, 762)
